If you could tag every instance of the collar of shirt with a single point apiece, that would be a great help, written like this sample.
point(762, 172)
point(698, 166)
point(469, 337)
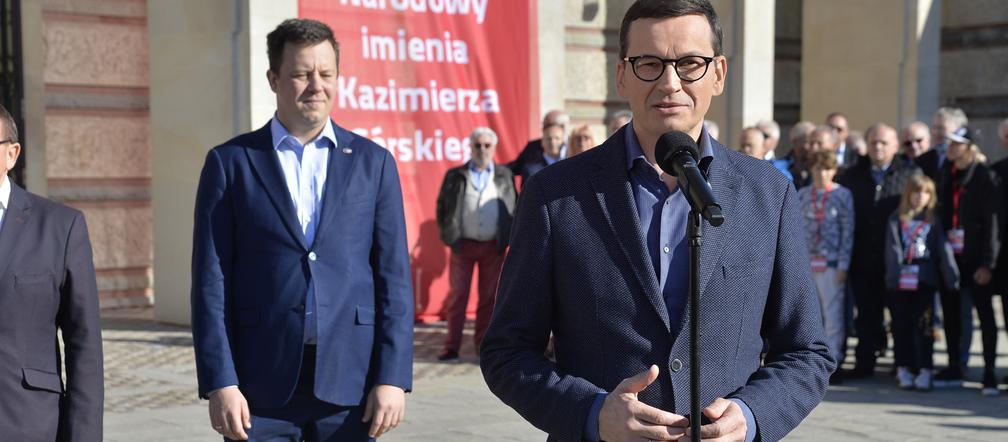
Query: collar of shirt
point(550, 160)
point(634, 151)
point(473, 169)
point(5, 190)
point(280, 135)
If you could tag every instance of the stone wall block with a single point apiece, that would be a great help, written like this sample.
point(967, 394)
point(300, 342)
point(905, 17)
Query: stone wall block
point(98, 146)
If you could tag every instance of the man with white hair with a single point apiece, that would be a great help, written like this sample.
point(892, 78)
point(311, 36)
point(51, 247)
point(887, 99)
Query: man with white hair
point(771, 137)
point(946, 120)
point(474, 211)
point(798, 137)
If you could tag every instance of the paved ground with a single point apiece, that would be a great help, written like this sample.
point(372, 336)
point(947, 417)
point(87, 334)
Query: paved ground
point(151, 396)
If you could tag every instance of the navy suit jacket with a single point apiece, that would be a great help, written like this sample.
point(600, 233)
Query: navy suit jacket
point(47, 282)
point(578, 268)
point(251, 268)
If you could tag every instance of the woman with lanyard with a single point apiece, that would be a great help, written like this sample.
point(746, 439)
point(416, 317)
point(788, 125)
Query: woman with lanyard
point(968, 213)
point(828, 212)
point(918, 260)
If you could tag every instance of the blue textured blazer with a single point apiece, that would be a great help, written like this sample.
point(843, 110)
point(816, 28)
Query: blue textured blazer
point(251, 268)
point(578, 268)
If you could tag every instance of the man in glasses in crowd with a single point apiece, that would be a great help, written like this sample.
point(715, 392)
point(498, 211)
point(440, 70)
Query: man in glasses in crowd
point(600, 259)
point(945, 121)
point(474, 210)
point(915, 139)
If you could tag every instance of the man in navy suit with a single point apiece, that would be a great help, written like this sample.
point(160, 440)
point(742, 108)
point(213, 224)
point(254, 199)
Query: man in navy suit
point(47, 283)
point(599, 258)
point(301, 300)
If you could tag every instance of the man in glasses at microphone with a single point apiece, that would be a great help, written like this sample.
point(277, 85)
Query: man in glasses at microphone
point(599, 258)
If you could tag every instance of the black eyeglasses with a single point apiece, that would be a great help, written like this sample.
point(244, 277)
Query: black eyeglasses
point(9, 140)
point(483, 145)
point(650, 68)
point(911, 142)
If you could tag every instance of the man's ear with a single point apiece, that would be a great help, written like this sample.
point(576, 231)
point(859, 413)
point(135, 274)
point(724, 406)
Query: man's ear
point(271, 77)
point(720, 73)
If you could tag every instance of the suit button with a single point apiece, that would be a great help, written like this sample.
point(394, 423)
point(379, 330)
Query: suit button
point(299, 308)
point(676, 365)
point(312, 256)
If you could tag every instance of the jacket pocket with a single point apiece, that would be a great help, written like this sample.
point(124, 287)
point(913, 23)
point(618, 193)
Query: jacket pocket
point(42, 380)
point(365, 315)
point(741, 269)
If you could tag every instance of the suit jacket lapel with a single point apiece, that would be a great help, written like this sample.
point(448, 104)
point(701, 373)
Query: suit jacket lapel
point(615, 196)
point(266, 166)
point(15, 218)
point(714, 238)
point(341, 160)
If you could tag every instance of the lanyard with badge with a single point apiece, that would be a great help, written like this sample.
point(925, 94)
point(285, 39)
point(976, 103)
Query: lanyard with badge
point(956, 236)
point(818, 260)
point(910, 272)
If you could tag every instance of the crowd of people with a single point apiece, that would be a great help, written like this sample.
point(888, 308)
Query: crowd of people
point(908, 221)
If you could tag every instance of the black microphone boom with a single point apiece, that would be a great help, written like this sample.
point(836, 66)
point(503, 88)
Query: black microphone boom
point(676, 153)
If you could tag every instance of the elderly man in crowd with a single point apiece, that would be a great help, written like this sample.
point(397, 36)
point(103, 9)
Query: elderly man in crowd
point(618, 120)
point(752, 142)
point(474, 210)
point(845, 157)
point(798, 137)
point(876, 186)
point(946, 120)
point(531, 158)
point(771, 133)
point(826, 138)
point(915, 139)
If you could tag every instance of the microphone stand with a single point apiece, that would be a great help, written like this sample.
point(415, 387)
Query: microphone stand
point(694, 233)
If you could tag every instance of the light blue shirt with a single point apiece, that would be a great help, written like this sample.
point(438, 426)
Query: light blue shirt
point(304, 168)
point(5, 189)
point(550, 159)
point(480, 178)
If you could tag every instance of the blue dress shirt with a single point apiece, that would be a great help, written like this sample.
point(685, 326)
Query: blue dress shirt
point(663, 217)
point(480, 177)
point(304, 168)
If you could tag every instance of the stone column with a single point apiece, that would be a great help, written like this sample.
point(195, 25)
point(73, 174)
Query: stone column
point(749, 47)
point(208, 68)
point(873, 61)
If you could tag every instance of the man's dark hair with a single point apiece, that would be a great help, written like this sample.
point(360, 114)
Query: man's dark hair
point(9, 128)
point(667, 9)
point(299, 31)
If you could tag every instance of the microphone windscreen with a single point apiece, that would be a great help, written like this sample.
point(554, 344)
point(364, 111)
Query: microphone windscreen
point(670, 145)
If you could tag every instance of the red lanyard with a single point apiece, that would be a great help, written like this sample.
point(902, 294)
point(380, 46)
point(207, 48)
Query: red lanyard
point(911, 238)
point(820, 211)
point(956, 192)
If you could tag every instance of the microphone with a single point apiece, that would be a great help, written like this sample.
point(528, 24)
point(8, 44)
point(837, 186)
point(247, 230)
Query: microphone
point(676, 153)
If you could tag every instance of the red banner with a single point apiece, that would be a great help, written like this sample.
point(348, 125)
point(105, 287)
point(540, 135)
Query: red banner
point(417, 76)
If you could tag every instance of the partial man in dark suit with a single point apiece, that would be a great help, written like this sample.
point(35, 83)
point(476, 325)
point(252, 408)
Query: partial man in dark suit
point(474, 210)
point(47, 284)
point(599, 258)
point(532, 158)
point(945, 121)
point(876, 185)
point(302, 308)
point(1000, 169)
